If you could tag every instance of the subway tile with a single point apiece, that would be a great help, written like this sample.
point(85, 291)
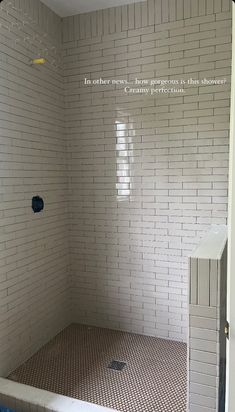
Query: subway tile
point(158, 13)
point(179, 9)
point(204, 379)
point(194, 8)
point(197, 408)
point(204, 390)
point(187, 9)
point(124, 18)
point(204, 345)
point(172, 9)
point(137, 15)
point(151, 12)
point(203, 400)
point(136, 163)
point(203, 282)
point(131, 16)
point(201, 356)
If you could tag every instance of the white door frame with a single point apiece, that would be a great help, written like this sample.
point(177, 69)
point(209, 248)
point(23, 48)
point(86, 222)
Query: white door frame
point(230, 387)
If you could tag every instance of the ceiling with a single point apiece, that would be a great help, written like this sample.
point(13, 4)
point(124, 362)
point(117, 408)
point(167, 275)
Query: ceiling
point(66, 8)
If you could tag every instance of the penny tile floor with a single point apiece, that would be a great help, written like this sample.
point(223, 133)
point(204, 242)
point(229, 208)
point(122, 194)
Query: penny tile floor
point(76, 363)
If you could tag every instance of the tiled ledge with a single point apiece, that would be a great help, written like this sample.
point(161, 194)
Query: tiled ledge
point(23, 398)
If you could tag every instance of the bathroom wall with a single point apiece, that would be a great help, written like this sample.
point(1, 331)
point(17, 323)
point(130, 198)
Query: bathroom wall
point(33, 248)
point(147, 175)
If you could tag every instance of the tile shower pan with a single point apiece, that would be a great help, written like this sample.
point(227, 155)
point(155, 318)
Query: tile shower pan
point(76, 364)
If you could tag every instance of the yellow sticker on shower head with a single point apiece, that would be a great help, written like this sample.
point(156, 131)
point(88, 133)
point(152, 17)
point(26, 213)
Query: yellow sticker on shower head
point(40, 60)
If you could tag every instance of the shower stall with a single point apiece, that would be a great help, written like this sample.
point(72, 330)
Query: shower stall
point(114, 145)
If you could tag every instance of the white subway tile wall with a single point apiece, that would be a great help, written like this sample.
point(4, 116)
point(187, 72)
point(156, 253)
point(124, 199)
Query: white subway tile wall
point(34, 264)
point(147, 175)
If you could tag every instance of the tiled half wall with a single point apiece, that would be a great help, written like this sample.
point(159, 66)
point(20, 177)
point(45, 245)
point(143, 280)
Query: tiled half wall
point(147, 175)
point(207, 320)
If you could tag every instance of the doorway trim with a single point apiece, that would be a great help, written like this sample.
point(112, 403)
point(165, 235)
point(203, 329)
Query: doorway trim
point(230, 393)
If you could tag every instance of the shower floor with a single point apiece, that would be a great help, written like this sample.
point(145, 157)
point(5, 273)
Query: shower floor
point(75, 363)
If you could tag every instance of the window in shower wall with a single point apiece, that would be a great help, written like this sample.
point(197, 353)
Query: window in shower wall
point(124, 160)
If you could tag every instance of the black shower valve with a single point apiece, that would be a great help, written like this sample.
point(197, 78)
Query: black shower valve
point(37, 204)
